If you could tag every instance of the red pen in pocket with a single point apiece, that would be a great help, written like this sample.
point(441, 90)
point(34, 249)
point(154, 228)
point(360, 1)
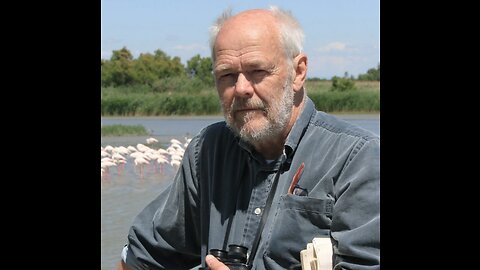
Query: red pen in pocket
point(295, 179)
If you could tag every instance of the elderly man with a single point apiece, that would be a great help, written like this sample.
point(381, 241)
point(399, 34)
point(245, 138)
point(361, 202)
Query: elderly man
point(270, 178)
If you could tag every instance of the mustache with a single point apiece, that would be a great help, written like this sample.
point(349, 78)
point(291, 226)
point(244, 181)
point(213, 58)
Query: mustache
point(247, 104)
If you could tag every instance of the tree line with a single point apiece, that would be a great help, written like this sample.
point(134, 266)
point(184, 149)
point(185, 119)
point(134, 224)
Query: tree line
point(150, 69)
point(159, 70)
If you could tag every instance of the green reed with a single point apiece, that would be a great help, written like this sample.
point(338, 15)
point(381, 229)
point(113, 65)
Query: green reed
point(203, 100)
point(123, 130)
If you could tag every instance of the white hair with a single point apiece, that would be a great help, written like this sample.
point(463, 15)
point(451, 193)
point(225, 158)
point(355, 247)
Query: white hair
point(291, 33)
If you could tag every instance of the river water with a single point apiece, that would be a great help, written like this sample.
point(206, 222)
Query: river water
point(126, 190)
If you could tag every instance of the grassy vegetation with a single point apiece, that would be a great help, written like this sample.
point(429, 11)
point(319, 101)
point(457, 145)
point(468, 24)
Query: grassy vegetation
point(123, 130)
point(325, 85)
point(151, 101)
point(365, 98)
point(187, 99)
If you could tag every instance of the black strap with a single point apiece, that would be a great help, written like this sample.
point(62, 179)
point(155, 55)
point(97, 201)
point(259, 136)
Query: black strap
point(204, 220)
point(271, 194)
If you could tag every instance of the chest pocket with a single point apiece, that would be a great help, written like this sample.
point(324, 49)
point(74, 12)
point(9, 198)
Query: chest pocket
point(297, 221)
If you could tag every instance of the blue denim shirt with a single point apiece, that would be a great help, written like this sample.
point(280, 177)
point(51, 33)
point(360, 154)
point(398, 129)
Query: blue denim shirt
point(341, 175)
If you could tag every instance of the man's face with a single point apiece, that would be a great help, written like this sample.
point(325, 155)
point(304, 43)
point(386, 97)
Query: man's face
point(253, 80)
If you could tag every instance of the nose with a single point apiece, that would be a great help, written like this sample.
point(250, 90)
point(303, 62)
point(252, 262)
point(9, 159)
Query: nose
point(243, 87)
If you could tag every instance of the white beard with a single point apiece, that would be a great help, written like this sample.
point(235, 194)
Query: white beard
point(275, 119)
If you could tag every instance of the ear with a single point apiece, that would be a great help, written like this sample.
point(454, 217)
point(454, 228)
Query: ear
point(300, 66)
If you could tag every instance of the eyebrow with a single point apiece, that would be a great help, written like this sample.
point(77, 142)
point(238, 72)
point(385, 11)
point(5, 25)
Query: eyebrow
point(257, 63)
point(222, 68)
point(254, 64)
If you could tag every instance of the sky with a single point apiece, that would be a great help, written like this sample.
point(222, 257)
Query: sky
point(340, 35)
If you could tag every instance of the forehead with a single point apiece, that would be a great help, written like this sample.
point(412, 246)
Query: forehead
point(246, 33)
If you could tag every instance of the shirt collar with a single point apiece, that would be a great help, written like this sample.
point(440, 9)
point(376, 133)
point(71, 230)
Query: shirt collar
point(299, 128)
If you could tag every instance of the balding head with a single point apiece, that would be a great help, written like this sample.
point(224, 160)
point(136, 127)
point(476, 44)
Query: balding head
point(288, 31)
point(247, 31)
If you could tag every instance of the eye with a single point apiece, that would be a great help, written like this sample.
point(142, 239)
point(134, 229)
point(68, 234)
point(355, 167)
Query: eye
point(221, 74)
point(259, 74)
point(227, 78)
point(226, 75)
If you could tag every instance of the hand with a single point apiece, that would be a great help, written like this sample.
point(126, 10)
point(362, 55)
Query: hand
point(215, 264)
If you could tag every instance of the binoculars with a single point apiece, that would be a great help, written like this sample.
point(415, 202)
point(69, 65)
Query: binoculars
point(235, 258)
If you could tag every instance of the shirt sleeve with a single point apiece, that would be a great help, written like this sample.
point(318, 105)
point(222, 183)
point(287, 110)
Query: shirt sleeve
point(165, 234)
point(355, 228)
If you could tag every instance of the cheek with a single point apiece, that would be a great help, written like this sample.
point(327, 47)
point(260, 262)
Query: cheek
point(226, 96)
point(267, 92)
point(270, 87)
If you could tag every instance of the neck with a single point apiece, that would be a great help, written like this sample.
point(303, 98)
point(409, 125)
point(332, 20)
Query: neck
point(271, 149)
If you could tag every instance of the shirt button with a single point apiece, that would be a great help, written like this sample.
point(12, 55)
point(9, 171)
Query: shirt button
point(257, 211)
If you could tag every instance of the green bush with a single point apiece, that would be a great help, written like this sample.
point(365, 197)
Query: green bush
point(342, 84)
